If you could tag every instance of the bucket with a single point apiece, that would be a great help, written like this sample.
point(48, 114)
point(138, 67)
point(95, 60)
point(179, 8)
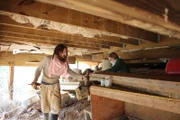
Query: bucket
point(108, 82)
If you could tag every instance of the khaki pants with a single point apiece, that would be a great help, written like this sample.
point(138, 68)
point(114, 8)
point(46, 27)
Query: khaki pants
point(50, 98)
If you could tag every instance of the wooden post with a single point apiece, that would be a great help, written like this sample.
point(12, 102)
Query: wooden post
point(11, 81)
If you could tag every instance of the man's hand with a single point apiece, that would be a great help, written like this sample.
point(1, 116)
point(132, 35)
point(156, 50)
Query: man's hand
point(35, 85)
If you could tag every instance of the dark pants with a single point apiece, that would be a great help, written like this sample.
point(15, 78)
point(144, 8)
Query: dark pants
point(52, 116)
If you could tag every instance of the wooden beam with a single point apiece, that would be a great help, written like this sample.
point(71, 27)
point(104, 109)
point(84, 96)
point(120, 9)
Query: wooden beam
point(19, 41)
point(39, 40)
point(143, 54)
point(146, 113)
point(150, 54)
point(162, 103)
point(25, 59)
point(25, 33)
point(55, 36)
point(157, 16)
point(7, 24)
point(106, 108)
point(72, 17)
point(162, 85)
point(11, 80)
point(21, 59)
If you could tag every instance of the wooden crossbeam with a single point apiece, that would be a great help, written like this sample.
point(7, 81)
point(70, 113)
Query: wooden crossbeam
point(157, 16)
point(163, 85)
point(9, 25)
point(11, 39)
point(152, 53)
point(162, 103)
point(55, 35)
point(72, 17)
point(40, 39)
point(143, 54)
point(25, 59)
point(114, 41)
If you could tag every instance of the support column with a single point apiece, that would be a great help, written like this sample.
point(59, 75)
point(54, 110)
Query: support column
point(11, 81)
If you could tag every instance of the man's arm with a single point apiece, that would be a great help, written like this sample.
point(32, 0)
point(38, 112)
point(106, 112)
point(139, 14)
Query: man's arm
point(75, 75)
point(38, 71)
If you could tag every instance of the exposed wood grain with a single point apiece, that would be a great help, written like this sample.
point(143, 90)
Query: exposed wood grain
point(157, 16)
point(163, 85)
point(49, 12)
point(162, 103)
point(11, 80)
point(147, 113)
point(108, 41)
point(143, 54)
point(10, 38)
point(106, 108)
point(10, 25)
point(24, 59)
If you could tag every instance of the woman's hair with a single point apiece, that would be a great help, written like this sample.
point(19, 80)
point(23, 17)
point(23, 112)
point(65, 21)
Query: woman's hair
point(113, 55)
point(59, 49)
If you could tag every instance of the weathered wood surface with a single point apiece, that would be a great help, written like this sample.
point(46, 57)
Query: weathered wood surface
point(162, 103)
point(163, 85)
point(11, 80)
point(25, 59)
point(72, 17)
point(143, 54)
point(9, 25)
point(148, 113)
point(158, 16)
point(106, 108)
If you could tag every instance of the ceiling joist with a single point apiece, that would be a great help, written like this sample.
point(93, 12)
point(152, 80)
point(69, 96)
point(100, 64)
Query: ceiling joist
point(72, 17)
point(156, 16)
point(6, 24)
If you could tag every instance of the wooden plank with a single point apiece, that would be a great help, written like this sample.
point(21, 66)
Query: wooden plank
point(8, 24)
point(152, 53)
point(11, 80)
point(20, 41)
point(158, 87)
point(105, 108)
point(67, 16)
point(21, 59)
point(25, 59)
point(149, 54)
point(163, 85)
point(162, 103)
point(13, 39)
point(143, 55)
point(46, 39)
point(68, 37)
point(157, 16)
point(147, 113)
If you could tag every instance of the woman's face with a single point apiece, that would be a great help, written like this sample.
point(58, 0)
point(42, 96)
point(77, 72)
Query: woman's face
point(110, 59)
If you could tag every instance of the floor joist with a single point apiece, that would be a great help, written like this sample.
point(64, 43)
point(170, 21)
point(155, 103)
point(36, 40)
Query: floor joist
point(167, 104)
point(157, 16)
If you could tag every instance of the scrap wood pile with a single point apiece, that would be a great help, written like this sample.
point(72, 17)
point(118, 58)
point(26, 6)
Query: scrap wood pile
point(30, 109)
point(27, 110)
point(74, 111)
